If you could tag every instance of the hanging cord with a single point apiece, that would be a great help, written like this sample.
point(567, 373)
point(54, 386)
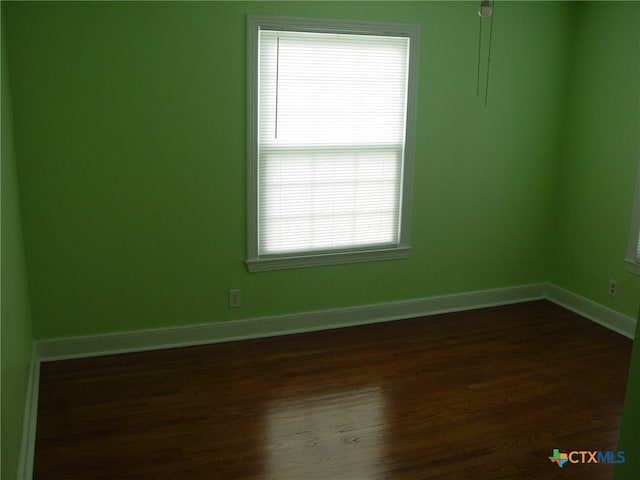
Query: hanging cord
point(277, 84)
point(486, 90)
point(479, 55)
point(485, 10)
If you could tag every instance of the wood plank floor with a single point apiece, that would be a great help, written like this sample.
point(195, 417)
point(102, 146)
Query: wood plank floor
point(486, 394)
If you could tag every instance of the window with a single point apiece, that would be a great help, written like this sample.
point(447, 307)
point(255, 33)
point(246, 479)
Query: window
point(633, 251)
point(331, 133)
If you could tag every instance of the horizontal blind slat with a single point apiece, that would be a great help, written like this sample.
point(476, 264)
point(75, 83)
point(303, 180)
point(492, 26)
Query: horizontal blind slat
point(332, 110)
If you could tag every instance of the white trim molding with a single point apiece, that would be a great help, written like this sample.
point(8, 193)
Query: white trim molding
point(335, 258)
point(396, 247)
point(632, 265)
point(141, 340)
point(591, 310)
point(27, 448)
point(94, 345)
point(632, 260)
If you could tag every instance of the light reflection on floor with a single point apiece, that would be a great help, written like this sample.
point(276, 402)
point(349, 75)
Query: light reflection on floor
point(343, 434)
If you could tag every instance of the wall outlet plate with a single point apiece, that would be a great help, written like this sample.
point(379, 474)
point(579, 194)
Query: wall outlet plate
point(235, 299)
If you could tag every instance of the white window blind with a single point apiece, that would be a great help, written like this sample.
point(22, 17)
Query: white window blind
point(332, 110)
point(632, 259)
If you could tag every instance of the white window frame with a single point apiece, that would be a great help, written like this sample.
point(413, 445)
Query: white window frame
point(632, 262)
point(255, 262)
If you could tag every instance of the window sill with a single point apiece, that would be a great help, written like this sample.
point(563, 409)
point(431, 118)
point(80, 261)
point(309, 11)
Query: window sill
point(632, 266)
point(282, 263)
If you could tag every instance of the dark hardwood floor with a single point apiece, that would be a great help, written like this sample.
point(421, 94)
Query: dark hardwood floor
point(486, 394)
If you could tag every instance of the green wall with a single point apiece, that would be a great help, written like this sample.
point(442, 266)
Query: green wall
point(598, 171)
point(596, 182)
point(16, 338)
point(130, 123)
point(630, 431)
point(130, 131)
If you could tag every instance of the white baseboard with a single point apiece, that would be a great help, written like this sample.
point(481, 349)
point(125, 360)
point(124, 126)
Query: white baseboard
point(595, 312)
point(136, 341)
point(27, 449)
point(76, 347)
